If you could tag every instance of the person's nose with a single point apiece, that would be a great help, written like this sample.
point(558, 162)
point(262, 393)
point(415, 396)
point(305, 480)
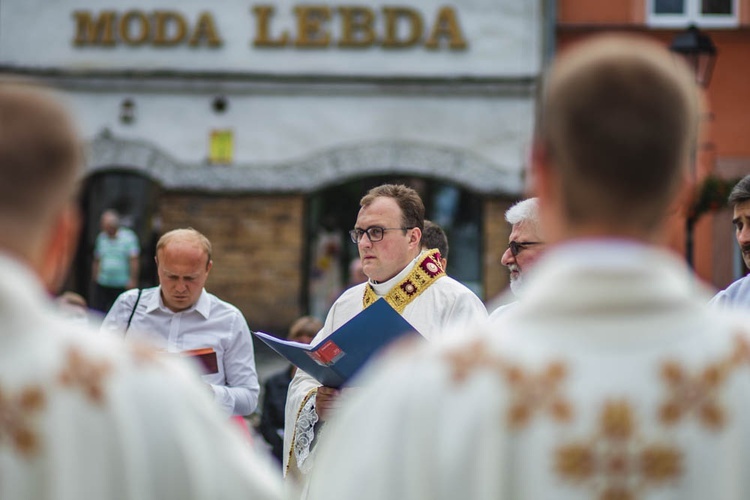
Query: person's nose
point(743, 236)
point(364, 241)
point(507, 259)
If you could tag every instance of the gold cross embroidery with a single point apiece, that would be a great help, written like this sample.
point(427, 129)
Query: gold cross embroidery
point(17, 413)
point(617, 462)
point(86, 374)
point(530, 392)
point(693, 394)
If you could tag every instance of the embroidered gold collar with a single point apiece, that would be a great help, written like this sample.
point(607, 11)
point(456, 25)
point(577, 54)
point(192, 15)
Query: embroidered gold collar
point(425, 272)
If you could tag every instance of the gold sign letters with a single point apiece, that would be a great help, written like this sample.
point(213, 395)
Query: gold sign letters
point(313, 27)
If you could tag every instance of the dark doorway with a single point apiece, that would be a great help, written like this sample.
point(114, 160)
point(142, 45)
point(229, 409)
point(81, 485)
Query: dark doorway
point(332, 212)
point(135, 197)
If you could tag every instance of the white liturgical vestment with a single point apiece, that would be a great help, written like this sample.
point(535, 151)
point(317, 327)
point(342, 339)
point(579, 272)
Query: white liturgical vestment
point(445, 303)
point(611, 378)
point(85, 416)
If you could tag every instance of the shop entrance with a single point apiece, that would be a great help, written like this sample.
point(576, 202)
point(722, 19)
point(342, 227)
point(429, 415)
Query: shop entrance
point(134, 197)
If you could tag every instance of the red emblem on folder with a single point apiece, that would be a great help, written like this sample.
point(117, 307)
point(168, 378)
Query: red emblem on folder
point(327, 354)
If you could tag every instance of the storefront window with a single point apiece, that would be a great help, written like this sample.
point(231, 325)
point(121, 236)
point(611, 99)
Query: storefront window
point(703, 13)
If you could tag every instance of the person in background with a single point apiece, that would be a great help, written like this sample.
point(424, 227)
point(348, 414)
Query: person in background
point(72, 305)
point(356, 275)
point(115, 267)
point(180, 316)
point(612, 377)
point(85, 416)
point(276, 387)
point(738, 293)
point(525, 246)
point(434, 237)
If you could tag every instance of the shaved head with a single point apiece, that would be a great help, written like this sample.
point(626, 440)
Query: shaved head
point(618, 121)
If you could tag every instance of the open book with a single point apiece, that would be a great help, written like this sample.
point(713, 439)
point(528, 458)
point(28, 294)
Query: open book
point(338, 357)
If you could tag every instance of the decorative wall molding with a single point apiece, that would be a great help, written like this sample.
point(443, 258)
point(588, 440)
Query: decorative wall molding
point(320, 170)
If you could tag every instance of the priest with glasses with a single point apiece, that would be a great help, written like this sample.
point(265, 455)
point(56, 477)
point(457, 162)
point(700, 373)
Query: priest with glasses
point(388, 234)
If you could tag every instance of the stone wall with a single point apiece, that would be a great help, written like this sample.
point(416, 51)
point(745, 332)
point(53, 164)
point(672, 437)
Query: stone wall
point(258, 250)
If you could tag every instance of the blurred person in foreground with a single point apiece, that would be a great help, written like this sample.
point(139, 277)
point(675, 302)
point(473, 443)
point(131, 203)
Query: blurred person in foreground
point(388, 234)
point(525, 246)
point(434, 237)
point(738, 293)
point(88, 417)
point(276, 387)
point(180, 316)
point(612, 378)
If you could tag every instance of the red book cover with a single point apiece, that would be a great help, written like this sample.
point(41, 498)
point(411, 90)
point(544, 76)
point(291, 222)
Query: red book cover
point(206, 356)
point(328, 353)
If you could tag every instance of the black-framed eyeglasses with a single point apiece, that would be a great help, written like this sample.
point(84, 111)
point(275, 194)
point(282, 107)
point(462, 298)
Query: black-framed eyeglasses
point(374, 233)
point(517, 247)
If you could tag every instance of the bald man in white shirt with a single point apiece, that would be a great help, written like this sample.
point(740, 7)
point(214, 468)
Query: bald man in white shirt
point(180, 315)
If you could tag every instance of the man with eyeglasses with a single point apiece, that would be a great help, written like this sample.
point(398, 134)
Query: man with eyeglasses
point(738, 293)
point(526, 245)
point(388, 234)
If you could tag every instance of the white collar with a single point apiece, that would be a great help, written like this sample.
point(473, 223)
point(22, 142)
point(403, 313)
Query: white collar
point(382, 289)
point(202, 306)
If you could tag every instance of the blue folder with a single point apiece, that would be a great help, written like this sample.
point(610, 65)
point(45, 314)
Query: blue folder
point(338, 357)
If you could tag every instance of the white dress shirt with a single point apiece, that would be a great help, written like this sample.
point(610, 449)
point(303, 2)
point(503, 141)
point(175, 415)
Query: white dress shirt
point(210, 322)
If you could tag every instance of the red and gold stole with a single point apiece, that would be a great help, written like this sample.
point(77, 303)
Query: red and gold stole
point(426, 272)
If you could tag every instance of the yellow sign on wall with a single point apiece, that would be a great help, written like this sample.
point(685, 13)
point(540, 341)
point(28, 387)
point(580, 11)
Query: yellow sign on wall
point(221, 147)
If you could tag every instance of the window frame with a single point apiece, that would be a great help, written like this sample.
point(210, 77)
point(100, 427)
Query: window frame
point(692, 15)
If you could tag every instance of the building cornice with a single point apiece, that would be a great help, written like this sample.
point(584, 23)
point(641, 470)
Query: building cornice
point(319, 170)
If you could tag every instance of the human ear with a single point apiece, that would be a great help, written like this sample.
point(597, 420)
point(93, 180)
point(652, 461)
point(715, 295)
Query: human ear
point(61, 247)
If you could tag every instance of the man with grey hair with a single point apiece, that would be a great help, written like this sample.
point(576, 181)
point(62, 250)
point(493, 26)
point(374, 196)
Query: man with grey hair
point(738, 293)
point(525, 246)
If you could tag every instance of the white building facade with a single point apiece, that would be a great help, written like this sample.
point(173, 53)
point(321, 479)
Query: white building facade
point(246, 98)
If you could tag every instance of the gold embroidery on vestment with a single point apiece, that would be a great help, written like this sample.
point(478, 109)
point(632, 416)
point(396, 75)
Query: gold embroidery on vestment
point(530, 393)
point(17, 412)
point(696, 394)
point(538, 392)
point(85, 373)
point(617, 462)
point(426, 272)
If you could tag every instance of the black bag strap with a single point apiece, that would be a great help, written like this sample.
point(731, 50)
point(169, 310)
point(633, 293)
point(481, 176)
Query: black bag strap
point(132, 313)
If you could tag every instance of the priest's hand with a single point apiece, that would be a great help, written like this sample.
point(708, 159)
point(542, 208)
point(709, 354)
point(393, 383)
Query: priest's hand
point(326, 402)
